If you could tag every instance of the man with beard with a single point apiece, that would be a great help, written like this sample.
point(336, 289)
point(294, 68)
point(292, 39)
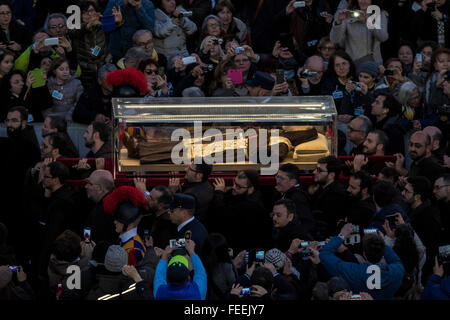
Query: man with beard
point(157, 223)
point(442, 193)
point(357, 131)
point(54, 124)
point(423, 163)
point(286, 225)
point(437, 151)
point(238, 213)
point(288, 187)
point(100, 184)
point(425, 218)
point(361, 207)
point(374, 145)
point(328, 195)
point(198, 186)
point(21, 152)
point(311, 85)
point(97, 138)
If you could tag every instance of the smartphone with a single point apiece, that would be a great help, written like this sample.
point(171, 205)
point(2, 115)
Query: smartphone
point(367, 231)
point(355, 14)
point(177, 243)
point(235, 75)
point(39, 78)
point(246, 291)
point(391, 218)
point(14, 269)
point(299, 4)
point(280, 76)
point(356, 297)
point(304, 244)
point(239, 50)
point(246, 258)
point(87, 234)
point(259, 257)
point(161, 72)
point(146, 235)
point(189, 60)
point(419, 57)
point(51, 42)
point(188, 235)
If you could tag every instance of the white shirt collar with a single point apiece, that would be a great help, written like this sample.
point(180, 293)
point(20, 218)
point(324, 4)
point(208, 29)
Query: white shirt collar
point(184, 223)
point(128, 235)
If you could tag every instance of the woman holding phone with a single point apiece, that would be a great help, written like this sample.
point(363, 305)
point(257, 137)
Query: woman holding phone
point(156, 79)
point(13, 36)
point(350, 31)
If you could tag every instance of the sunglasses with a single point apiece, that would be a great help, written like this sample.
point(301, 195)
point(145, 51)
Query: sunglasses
point(150, 71)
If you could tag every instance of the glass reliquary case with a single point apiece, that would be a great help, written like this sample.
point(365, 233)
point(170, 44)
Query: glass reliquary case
point(233, 133)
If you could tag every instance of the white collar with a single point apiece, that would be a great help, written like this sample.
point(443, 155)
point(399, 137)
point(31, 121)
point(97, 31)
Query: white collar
point(128, 235)
point(184, 223)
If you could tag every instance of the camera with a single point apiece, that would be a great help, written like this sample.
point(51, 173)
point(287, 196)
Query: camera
point(304, 244)
point(218, 41)
point(14, 269)
point(357, 86)
point(208, 68)
point(431, 6)
point(391, 218)
point(447, 75)
point(239, 50)
point(444, 110)
point(321, 244)
point(307, 73)
point(177, 243)
point(246, 291)
point(388, 72)
point(306, 253)
point(185, 14)
point(355, 14)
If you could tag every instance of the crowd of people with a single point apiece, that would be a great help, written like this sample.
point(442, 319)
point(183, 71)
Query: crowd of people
point(197, 238)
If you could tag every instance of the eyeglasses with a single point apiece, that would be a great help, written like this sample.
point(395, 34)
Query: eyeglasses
point(239, 186)
point(5, 13)
point(280, 177)
point(193, 170)
point(353, 130)
point(151, 71)
point(319, 170)
point(213, 25)
point(440, 187)
point(59, 26)
point(144, 44)
point(48, 177)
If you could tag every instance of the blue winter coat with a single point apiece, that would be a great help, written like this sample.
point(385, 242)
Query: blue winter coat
point(120, 40)
point(437, 288)
point(357, 274)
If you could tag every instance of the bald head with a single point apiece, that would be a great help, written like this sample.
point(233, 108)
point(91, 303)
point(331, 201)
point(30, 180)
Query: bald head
point(100, 183)
point(435, 135)
point(315, 63)
point(419, 146)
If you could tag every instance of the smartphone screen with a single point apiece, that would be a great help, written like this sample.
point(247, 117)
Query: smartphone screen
point(87, 234)
point(280, 76)
point(161, 72)
point(260, 256)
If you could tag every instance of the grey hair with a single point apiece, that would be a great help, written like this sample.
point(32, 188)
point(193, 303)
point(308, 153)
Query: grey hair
point(54, 16)
point(405, 91)
point(366, 124)
point(136, 54)
point(105, 69)
point(211, 16)
point(203, 44)
point(140, 33)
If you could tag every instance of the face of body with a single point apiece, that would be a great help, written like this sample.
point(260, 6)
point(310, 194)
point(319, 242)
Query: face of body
point(417, 148)
point(151, 73)
point(89, 137)
point(241, 61)
point(408, 194)
point(364, 4)
point(5, 15)
point(442, 62)
point(62, 73)
point(177, 216)
point(213, 27)
point(7, 64)
point(46, 64)
point(169, 5)
point(17, 84)
point(145, 41)
point(341, 67)
point(370, 144)
point(414, 99)
point(405, 55)
point(317, 66)
point(240, 186)
point(57, 28)
point(94, 190)
point(354, 132)
point(280, 217)
point(192, 175)
point(366, 78)
point(49, 181)
point(47, 128)
point(283, 183)
point(225, 15)
point(378, 106)
point(327, 50)
point(153, 200)
point(321, 175)
point(119, 227)
point(86, 16)
point(427, 53)
point(354, 188)
point(441, 190)
point(14, 124)
point(47, 148)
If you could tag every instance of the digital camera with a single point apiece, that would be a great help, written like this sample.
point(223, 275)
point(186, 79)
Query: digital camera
point(239, 50)
point(307, 73)
point(185, 14)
